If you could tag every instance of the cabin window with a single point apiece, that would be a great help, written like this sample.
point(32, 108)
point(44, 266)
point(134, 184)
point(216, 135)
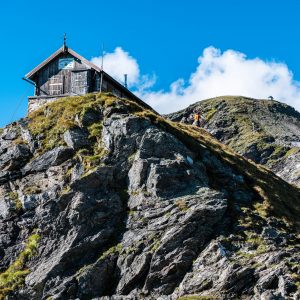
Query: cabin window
point(66, 63)
point(56, 85)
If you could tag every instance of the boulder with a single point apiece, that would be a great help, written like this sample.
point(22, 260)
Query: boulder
point(76, 138)
point(29, 202)
point(15, 157)
point(131, 275)
point(11, 133)
point(95, 280)
point(6, 207)
point(89, 117)
point(52, 157)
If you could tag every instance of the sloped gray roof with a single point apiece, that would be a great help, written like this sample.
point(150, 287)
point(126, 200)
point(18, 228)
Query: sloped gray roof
point(56, 54)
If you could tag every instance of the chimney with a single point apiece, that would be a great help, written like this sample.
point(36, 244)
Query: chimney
point(125, 80)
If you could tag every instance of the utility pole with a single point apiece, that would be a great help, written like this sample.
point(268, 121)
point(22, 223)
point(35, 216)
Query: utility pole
point(101, 74)
point(65, 42)
point(125, 80)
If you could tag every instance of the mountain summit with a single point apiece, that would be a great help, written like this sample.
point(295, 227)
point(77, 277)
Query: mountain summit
point(265, 131)
point(102, 198)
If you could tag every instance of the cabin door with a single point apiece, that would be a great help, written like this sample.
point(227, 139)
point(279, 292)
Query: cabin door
point(56, 85)
point(80, 82)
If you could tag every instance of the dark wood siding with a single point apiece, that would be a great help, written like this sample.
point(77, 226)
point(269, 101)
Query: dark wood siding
point(107, 86)
point(50, 74)
point(80, 82)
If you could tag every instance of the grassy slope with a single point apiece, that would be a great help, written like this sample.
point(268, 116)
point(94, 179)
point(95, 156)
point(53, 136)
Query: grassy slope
point(279, 197)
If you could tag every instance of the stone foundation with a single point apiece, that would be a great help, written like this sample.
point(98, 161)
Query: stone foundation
point(36, 102)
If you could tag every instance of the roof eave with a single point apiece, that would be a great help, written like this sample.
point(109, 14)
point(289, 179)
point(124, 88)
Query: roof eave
point(85, 61)
point(30, 74)
point(54, 55)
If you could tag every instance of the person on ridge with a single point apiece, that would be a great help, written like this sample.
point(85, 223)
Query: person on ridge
point(197, 118)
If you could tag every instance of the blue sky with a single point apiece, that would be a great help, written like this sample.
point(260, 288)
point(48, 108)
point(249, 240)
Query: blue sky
point(165, 38)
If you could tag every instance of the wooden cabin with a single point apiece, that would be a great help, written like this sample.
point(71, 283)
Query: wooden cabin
point(66, 73)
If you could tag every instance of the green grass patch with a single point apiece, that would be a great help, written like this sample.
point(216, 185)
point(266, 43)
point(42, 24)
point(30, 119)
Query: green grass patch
point(291, 152)
point(15, 198)
point(209, 115)
point(14, 276)
point(53, 119)
point(112, 250)
point(256, 241)
point(95, 130)
point(155, 245)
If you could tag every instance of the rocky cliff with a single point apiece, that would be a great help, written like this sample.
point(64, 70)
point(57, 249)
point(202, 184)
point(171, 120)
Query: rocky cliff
point(101, 198)
point(265, 131)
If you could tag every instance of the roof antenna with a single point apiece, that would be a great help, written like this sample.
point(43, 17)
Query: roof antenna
point(101, 74)
point(65, 42)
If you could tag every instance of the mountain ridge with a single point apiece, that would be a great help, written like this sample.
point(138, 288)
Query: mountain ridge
point(266, 131)
point(102, 198)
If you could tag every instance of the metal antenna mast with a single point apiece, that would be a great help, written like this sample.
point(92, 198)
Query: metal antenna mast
point(65, 42)
point(101, 74)
point(125, 80)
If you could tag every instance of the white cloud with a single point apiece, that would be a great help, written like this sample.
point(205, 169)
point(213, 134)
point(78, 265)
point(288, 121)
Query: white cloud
point(228, 73)
point(118, 63)
point(217, 74)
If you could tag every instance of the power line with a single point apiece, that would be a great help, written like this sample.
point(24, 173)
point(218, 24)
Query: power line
point(17, 108)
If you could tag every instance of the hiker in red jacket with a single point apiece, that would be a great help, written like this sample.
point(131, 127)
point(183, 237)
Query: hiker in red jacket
point(197, 119)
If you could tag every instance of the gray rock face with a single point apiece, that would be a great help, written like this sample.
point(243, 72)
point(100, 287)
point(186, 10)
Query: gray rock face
point(153, 219)
point(14, 157)
point(10, 133)
point(89, 284)
point(51, 158)
point(232, 278)
point(76, 138)
point(6, 207)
